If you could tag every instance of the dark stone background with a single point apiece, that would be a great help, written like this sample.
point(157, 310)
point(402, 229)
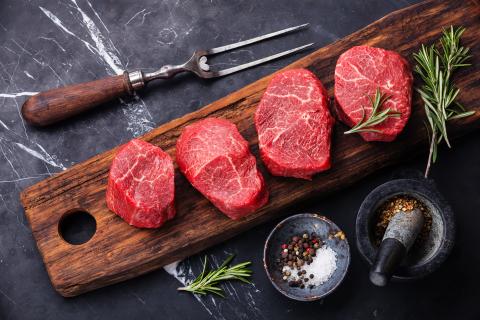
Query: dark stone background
point(96, 39)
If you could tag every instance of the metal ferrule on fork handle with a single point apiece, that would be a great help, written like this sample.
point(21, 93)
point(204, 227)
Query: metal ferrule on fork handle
point(136, 80)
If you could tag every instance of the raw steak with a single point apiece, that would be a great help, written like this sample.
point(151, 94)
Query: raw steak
point(359, 72)
point(294, 125)
point(216, 160)
point(141, 186)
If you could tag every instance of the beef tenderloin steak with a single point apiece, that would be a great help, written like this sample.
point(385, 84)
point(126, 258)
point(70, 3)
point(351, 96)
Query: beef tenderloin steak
point(294, 125)
point(141, 185)
point(359, 72)
point(216, 160)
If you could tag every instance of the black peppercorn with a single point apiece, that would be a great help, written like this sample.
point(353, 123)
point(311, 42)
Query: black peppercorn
point(296, 252)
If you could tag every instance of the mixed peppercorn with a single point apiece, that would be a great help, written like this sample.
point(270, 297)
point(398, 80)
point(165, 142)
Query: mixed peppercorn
point(295, 253)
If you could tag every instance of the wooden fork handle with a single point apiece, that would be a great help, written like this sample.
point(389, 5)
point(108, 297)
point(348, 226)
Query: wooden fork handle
point(58, 104)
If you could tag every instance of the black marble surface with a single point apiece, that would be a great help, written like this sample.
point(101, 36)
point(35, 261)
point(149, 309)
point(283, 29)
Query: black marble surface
point(44, 44)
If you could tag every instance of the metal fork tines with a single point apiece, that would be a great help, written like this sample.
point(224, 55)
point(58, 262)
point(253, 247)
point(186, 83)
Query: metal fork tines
point(198, 62)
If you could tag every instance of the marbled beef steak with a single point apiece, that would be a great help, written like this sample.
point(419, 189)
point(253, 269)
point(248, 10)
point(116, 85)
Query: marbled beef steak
point(294, 125)
point(141, 185)
point(216, 160)
point(360, 71)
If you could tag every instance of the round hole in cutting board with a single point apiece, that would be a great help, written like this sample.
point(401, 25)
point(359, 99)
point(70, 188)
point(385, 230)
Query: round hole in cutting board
point(77, 227)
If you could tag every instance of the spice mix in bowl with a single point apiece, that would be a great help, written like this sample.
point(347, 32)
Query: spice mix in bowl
point(306, 257)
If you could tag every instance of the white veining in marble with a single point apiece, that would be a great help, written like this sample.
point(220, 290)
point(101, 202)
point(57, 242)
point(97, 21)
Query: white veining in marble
point(97, 15)
point(167, 36)
point(142, 12)
point(173, 270)
point(43, 155)
point(105, 47)
point(26, 178)
point(17, 94)
point(54, 41)
point(29, 75)
point(138, 117)
point(4, 125)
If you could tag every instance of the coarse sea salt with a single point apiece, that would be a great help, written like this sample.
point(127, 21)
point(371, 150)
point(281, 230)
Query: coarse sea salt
point(322, 267)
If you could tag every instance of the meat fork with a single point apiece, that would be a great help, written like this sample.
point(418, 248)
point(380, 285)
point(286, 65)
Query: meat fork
point(58, 104)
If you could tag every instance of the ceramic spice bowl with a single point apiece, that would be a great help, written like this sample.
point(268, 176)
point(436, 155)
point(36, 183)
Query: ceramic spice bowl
point(298, 225)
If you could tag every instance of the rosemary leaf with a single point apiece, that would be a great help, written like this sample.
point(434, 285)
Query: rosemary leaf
point(376, 117)
point(208, 281)
point(435, 67)
point(462, 115)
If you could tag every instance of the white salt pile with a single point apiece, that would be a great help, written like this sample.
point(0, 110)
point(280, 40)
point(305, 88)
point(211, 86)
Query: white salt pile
point(322, 267)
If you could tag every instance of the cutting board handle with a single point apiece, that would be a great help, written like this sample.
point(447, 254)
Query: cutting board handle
point(58, 104)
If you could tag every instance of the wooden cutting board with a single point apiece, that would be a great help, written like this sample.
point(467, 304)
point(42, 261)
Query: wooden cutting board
point(118, 251)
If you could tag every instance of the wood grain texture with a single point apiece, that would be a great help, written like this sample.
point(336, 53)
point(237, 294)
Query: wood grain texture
point(118, 252)
point(58, 104)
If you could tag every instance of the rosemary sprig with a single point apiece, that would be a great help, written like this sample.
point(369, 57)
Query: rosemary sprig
point(438, 93)
point(208, 280)
point(376, 117)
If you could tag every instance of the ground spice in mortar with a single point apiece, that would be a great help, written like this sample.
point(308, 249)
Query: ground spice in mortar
point(395, 205)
